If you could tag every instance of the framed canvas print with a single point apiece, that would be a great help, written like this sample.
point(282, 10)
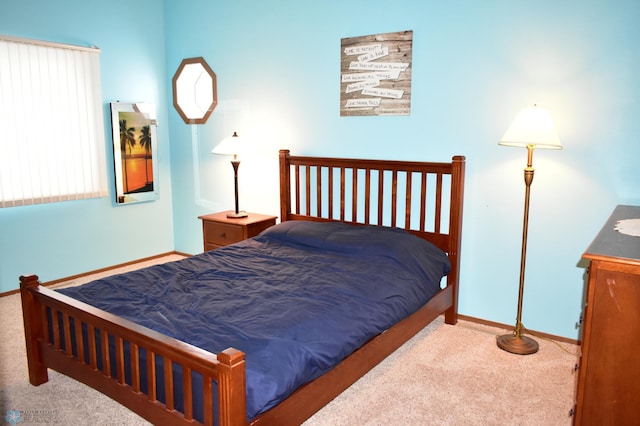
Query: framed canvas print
point(375, 74)
point(134, 128)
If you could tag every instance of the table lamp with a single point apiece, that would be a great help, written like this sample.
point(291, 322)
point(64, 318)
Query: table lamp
point(232, 145)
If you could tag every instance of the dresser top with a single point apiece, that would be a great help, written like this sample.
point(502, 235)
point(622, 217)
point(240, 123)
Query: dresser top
point(610, 243)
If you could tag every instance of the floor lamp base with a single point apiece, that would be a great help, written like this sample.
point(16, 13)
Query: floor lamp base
point(520, 345)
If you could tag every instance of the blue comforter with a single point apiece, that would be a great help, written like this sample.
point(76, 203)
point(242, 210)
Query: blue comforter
point(297, 299)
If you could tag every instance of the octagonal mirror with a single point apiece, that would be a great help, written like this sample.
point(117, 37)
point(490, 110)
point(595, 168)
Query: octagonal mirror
point(195, 93)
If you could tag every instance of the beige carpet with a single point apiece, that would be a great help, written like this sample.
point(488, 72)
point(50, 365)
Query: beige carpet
point(456, 375)
point(445, 375)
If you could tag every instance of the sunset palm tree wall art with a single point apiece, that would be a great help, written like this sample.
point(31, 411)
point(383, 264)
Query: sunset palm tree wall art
point(136, 149)
point(134, 146)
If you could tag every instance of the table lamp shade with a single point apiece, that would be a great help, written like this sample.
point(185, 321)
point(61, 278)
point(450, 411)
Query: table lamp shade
point(532, 127)
point(231, 145)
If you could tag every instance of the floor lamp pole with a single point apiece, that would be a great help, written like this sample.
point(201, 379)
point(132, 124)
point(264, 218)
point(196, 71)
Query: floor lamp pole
point(517, 343)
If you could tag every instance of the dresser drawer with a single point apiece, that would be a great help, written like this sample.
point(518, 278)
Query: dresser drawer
point(221, 234)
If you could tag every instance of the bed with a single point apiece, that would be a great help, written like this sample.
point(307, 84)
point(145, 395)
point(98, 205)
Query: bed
point(327, 205)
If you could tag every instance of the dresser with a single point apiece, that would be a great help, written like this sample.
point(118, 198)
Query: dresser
point(608, 390)
point(218, 230)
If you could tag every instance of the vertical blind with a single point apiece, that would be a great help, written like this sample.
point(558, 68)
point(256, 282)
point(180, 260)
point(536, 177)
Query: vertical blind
point(52, 145)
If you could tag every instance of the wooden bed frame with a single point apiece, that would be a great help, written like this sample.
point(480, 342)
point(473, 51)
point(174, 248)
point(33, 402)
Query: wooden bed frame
point(311, 188)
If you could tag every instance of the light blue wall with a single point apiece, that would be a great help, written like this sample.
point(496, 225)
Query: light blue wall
point(63, 239)
point(475, 65)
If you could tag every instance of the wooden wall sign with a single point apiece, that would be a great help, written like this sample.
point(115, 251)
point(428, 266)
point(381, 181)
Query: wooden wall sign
point(375, 74)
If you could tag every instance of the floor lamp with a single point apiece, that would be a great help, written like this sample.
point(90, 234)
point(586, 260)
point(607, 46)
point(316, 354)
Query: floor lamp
point(232, 145)
point(532, 128)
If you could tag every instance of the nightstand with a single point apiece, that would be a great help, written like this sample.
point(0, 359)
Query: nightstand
point(218, 230)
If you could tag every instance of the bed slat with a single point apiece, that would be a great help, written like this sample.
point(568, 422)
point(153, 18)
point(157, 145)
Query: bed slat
point(151, 376)
point(93, 355)
point(186, 392)
point(423, 202)
point(79, 340)
point(207, 395)
point(331, 189)
point(367, 190)
point(67, 334)
point(307, 186)
point(354, 197)
point(408, 194)
point(394, 197)
point(135, 367)
point(380, 193)
point(342, 193)
point(168, 383)
point(438, 215)
point(104, 352)
point(319, 191)
point(297, 174)
point(56, 329)
point(119, 360)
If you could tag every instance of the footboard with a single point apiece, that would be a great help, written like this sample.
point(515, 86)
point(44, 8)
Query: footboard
point(162, 379)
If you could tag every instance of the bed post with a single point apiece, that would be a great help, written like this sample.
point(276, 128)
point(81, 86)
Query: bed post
point(285, 185)
point(455, 233)
point(33, 329)
point(232, 388)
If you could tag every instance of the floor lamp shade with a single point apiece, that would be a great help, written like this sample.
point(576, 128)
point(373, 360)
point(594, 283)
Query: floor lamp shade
point(532, 128)
point(232, 145)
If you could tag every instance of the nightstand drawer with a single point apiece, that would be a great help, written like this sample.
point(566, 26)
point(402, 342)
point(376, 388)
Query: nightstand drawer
point(221, 233)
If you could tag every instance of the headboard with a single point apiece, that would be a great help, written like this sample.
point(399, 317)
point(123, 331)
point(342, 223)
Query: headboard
point(425, 198)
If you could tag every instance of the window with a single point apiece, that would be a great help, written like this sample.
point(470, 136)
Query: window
point(52, 144)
